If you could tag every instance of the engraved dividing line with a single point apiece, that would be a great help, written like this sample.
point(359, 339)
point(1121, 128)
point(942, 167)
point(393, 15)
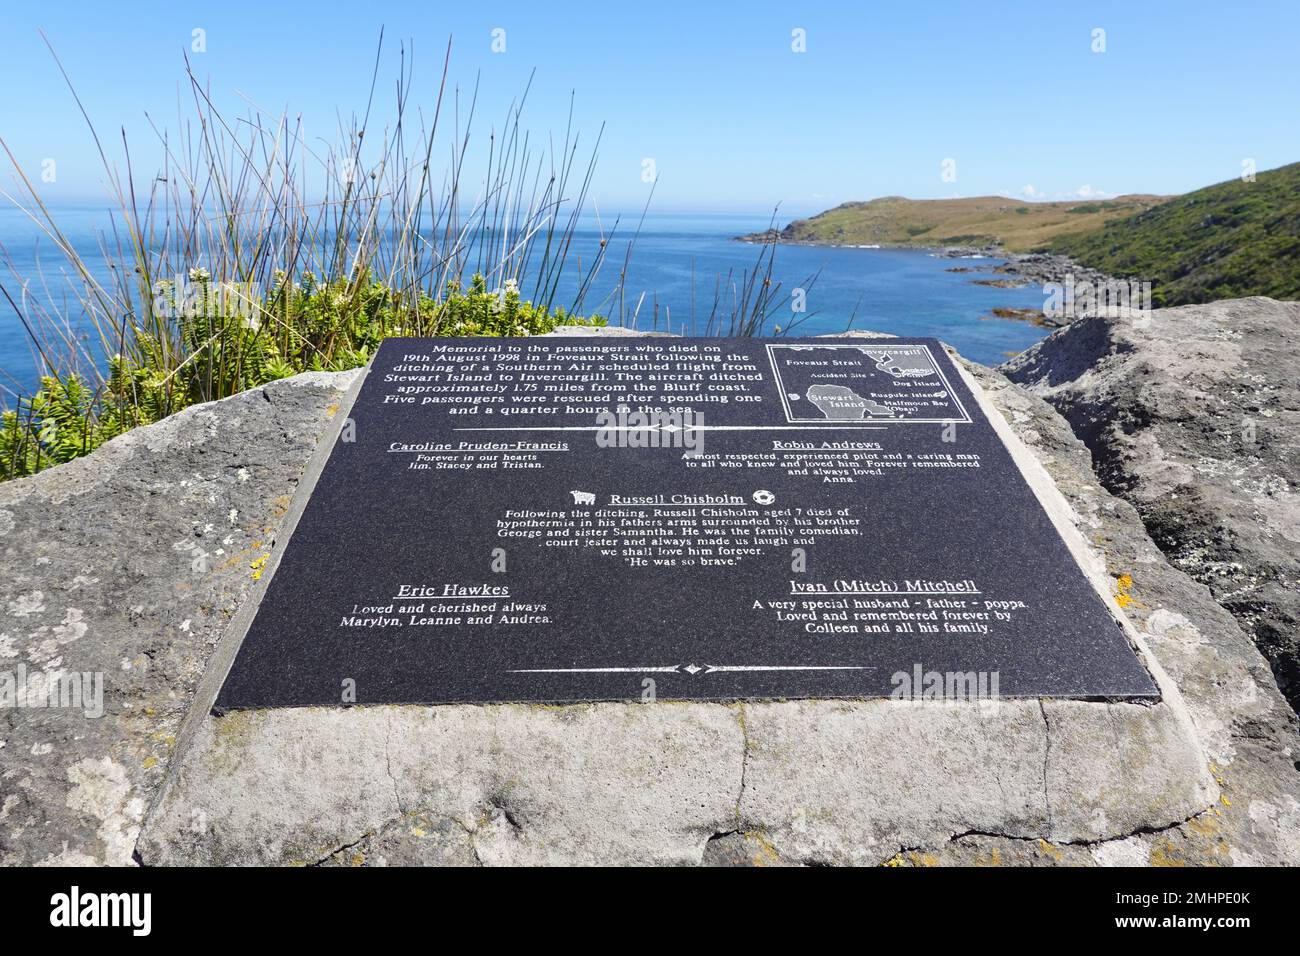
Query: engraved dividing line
point(690, 668)
point(596, 670)
point(693, 428)
point(796, 667)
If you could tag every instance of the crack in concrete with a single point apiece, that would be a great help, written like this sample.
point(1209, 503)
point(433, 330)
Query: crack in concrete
point(388, 762)
point(1136, 831)
point(469, 838)
point(348, 846)
point(1047, 757)
point(744, 763)
point(397, 800)
point(390, 821)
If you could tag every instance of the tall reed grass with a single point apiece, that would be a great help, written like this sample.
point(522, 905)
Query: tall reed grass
point(250, 256)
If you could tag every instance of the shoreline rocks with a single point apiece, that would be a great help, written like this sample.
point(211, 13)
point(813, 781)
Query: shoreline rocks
point(1042, 268)
point(1014, 270)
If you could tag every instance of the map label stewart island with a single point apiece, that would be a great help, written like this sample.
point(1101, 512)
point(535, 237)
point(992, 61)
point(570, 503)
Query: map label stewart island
point(634, 518)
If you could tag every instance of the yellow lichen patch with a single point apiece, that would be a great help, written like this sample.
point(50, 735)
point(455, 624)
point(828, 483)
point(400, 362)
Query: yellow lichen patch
point(1123, 587)
point(258, 565)
point(240, 556)
point(150, 763)
point(1223, 798)
point(1199, 842)
point(358, 859)
point(993, 859)
point(765, 854)
point(1164, 854)
point(1048, 849)
point(1220, 776)
point(231, 726)
point(912, 858)
point(332, 410)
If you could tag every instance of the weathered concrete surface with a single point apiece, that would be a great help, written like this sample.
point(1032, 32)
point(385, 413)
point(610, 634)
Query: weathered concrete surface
point(663, 783)
point(601, 783)
point(821, 781)
point(852, 782)
point(1245, 725)
point(129, 563)
point(1193, 416)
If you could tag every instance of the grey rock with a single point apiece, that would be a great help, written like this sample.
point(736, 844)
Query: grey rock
point(751, 848)
point(1245, 725)
point(1192, 414)
point(128, 564)
point(1040, 268)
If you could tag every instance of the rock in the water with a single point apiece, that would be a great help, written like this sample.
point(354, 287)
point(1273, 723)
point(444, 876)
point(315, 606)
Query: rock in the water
point(1192, 414)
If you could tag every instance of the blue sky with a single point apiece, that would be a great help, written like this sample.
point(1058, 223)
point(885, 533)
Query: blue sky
point(732, 117)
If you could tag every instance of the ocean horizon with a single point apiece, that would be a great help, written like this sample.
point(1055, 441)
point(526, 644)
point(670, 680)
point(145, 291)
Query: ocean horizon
point(681, 263)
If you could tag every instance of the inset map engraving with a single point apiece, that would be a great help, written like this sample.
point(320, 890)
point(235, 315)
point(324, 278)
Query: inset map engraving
point(864, 383)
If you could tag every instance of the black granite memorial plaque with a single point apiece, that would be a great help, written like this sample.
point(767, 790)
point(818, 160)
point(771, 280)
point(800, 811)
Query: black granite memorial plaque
point(563, 519)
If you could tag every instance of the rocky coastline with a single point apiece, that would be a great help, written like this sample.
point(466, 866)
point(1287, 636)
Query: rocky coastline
point(996, 267)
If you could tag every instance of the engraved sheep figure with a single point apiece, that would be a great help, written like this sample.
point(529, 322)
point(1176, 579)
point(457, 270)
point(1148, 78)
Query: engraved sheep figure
point(583, 497)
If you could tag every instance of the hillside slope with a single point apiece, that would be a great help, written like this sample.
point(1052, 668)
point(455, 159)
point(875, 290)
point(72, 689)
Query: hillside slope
point(1224, 241)
point(978, 221)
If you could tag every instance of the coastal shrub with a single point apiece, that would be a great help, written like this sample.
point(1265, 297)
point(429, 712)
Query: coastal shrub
point(1232, 239)
point(301, 326)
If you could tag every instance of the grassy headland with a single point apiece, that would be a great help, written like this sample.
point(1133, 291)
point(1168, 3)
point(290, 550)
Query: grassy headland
point(979, 221)
point(1231, 239)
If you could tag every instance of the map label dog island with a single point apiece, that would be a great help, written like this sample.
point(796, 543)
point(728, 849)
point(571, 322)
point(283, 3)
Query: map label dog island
point(512, 520)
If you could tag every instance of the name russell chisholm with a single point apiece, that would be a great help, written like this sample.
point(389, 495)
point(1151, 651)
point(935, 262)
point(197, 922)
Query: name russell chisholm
point(676, 500)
